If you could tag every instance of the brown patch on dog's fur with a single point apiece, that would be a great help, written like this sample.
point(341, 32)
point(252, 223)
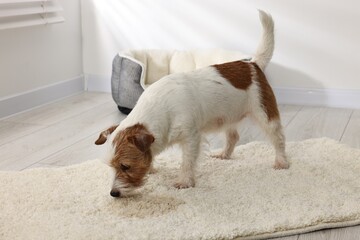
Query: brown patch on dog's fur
point(238, 73)
point(133, 157)
point(268, 100)
point(103, 135)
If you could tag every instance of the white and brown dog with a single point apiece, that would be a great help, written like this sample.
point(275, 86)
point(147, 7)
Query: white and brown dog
point(180, 107)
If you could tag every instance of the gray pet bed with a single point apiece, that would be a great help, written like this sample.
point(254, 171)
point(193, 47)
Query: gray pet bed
point(125, 83)
point(134, 70)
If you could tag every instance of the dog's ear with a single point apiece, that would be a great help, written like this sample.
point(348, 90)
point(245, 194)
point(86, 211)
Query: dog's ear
point(142, 141)
point(104, 134)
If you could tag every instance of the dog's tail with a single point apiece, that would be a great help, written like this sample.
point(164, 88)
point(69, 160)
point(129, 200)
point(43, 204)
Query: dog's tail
point(265, 48)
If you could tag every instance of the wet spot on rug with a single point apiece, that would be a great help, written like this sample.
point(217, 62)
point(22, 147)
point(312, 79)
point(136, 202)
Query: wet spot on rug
point(143, 206)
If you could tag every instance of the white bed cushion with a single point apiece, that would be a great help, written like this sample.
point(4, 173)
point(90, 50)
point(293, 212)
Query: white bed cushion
point(159, 63)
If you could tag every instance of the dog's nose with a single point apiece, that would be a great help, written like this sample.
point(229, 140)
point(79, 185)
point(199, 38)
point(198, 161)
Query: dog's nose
point(115, 193)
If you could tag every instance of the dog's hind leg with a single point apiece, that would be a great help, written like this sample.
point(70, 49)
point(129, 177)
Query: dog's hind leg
point(232, 137)
point(263, 108)
point(276, 135)
point(274, 131)
point(190, 148)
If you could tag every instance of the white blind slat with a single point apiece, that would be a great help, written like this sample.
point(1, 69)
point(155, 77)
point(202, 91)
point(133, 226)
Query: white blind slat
point(31, 22)
point(19, 1)
point(23, 13)
point(29, 10)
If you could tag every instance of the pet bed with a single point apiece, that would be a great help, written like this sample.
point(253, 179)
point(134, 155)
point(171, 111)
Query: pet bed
point(134, 70)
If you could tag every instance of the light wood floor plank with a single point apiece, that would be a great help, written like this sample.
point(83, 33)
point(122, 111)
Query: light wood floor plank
point(352, 133)
point(41, 165)
point(33, 148)
point(79, 152)
point(348, 233)
point(10, 131)
point(288, 113)
point(314, 122)
point(318, 235)
point(61, 110)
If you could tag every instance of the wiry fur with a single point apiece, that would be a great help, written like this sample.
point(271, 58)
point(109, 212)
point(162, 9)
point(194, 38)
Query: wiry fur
point(180, 108)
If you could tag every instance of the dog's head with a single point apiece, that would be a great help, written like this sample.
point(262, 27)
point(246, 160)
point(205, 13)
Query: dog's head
point(131, 157)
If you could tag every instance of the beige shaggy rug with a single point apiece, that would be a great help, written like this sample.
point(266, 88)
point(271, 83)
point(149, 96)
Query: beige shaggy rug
point(242, 197)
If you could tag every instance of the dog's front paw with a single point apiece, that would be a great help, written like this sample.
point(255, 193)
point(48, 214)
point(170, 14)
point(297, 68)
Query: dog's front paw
point(281, 165)
point(220, 156)
point(185, 183)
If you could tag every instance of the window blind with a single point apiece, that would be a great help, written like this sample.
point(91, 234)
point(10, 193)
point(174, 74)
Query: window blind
point(23, 13)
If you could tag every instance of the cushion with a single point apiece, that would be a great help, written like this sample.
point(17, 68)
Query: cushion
point(125, 81)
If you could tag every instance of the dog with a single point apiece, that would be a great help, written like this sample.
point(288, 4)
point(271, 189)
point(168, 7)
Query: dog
point(181, 107)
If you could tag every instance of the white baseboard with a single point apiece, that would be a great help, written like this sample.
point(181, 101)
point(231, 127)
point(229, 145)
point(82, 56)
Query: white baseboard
point(296, 96)
point(24, 101)
point(336, 98)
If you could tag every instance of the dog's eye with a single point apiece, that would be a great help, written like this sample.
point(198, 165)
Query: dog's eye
point(124, 167)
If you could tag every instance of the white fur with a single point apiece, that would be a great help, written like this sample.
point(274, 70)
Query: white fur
point(125, 189)
point(265, 49)
point(180, 107)
point(110, 152)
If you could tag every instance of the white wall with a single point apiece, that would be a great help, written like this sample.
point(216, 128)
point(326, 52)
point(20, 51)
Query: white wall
point(317, 42)
point(38, 56)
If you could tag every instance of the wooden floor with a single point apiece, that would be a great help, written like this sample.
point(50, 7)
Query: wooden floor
point(63, 133)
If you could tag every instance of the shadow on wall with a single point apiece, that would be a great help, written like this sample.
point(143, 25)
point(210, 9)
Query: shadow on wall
point(311, 94)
